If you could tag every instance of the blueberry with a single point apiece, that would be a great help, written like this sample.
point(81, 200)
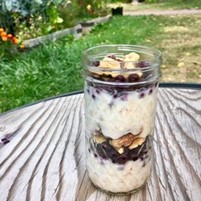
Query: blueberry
point(110, 151)
point(113, 153)
point(6, 141)
point(120, 78)
point(97, 91)
point(134, 158)
point(108, 76)
point(104, 145)
point(133, 154)
point(115, 96)
point(134, 77)
point(150, 91)
point(112, 56)
point(3, 139)
point(100, 151)
point(96, 63)
point(122, 159)
point(142, 64)
point(142, 95)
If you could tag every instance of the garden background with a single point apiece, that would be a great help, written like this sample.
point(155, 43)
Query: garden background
point(54, 68)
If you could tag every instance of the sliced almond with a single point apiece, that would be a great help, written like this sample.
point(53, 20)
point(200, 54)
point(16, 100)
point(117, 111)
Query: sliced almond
point(136, 142)
point(132, 57)
point(129, 65)
point(120, 150)
point(113, 74)
point(126, 62)
point(109, 63)
point(96, 75)
point(125, 140)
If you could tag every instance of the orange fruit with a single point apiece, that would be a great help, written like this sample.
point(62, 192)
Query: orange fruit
point(3, 34)
point(4, 38)
point(15, 40)
point(10, 36)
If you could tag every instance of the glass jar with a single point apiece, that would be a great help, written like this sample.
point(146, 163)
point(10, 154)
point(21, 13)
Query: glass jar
point(120, 95)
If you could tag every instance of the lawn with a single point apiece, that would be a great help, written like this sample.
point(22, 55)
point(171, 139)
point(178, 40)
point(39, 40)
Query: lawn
point(55, 68)
point(169, 5)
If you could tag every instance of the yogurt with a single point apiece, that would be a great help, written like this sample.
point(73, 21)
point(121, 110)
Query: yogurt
point(116, 178)
point(120, 104)
point(118, 115)
point(112, 116)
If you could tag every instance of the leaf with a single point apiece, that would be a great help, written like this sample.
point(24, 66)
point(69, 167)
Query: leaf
point(59, 20)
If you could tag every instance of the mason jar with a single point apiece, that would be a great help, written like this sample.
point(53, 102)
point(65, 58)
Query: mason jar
point(120, 96)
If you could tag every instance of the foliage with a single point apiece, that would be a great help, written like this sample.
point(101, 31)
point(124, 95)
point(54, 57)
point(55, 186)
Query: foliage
point(69, 13)
point(55, 68)
point(9, 44)
point(26, 16)
point(91, 8)
point(45, 16)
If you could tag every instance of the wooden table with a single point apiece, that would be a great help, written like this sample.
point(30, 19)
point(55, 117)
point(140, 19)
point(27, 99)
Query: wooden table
point(42, 151)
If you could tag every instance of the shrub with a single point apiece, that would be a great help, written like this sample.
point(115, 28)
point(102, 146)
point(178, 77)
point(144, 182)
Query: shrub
point(16, 15)
point(31, 18)
point(91, 8)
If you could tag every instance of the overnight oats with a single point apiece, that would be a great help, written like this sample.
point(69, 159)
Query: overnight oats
point(121, 84)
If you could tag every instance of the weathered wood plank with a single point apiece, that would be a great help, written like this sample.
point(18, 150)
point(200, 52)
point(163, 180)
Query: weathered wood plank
point(44, 158)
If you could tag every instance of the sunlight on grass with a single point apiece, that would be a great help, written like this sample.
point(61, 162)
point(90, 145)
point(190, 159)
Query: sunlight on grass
point(159, 6)
point(181, 44)
point(172, 29)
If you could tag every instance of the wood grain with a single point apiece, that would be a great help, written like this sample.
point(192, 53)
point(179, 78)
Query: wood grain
point(44, 157)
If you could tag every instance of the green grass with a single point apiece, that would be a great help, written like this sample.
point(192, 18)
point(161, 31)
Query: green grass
point(55, 68)
point(188, 4)
point(169, 5)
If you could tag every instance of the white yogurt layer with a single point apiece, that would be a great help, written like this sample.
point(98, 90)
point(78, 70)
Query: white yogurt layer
point(118, 178)
point(118, 116)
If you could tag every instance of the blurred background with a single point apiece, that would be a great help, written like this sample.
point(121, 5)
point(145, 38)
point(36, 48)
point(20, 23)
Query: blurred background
point(29, 74)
